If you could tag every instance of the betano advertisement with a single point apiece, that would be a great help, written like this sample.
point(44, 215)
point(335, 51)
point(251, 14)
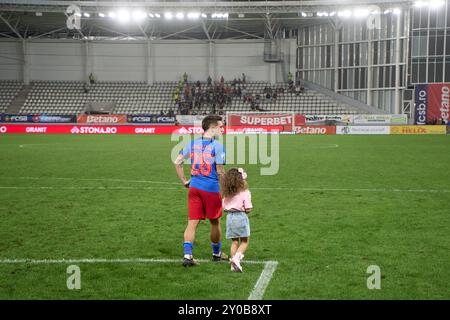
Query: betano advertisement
point(315, 130)
point(102, 119)
point(432, 103)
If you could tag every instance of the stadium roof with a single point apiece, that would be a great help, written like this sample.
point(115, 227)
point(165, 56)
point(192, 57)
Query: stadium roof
point(244, 19)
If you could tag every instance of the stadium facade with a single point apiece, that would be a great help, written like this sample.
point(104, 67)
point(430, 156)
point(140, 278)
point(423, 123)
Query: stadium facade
point(371, 51)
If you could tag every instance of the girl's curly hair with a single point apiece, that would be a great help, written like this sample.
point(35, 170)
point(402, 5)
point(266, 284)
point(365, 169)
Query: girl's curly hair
point(232, 183)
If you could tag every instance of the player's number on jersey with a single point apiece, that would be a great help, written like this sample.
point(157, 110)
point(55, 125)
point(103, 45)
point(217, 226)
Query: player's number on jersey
point(203, 168)
point(200, 166)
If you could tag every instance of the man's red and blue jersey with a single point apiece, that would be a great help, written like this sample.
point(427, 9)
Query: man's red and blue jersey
point(204, 155)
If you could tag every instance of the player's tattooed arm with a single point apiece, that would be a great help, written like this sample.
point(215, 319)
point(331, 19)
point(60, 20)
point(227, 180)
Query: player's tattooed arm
point(220, 168)
point(179, 161)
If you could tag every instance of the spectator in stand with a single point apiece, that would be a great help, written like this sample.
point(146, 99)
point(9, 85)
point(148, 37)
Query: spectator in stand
point(91, 78)
point(299, 83)
point(185, 77)
point(186, 90)
point(291, 87)
point(268, 93)
point(203, 98)
point(257, 100)
point(290, 77)
point(234, 83)
point(162, 113)
point(210, 98)
point(244, 77)
point(244, 93)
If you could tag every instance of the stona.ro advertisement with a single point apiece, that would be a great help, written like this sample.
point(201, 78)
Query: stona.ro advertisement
point(122, 129)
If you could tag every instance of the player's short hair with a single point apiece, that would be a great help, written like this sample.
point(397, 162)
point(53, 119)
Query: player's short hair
point(212, 119)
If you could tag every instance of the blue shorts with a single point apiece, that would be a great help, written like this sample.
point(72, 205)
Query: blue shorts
point(238, 225)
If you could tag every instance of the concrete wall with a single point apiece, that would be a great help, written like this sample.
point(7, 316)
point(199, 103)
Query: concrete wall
point(10, 60)
point(163, 60)
point(55, 61)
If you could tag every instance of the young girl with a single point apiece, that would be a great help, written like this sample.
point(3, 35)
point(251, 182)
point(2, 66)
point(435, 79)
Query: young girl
point(237, 204)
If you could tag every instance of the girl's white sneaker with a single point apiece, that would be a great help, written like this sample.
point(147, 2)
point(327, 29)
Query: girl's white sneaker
point(236, 265)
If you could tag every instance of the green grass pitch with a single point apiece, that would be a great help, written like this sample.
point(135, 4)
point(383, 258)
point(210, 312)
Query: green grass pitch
point(338, 205)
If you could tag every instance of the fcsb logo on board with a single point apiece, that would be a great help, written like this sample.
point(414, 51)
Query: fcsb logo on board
point(3, 129)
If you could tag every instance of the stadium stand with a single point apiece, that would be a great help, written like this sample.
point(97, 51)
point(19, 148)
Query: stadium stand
point(307, 102)
point(66, 97)
point(71, 97)
point(8, 92)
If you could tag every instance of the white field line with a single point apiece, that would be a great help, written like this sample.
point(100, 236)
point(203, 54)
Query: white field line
point(255, 188)
point(92, 188)
point(84, 179)
point(355, 190)
point(178, 188)
point(325, 146)
point(256, 294)
point(263, 281)
point(101, 260)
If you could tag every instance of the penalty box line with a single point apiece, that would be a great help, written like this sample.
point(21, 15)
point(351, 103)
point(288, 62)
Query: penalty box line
point(257, 292)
